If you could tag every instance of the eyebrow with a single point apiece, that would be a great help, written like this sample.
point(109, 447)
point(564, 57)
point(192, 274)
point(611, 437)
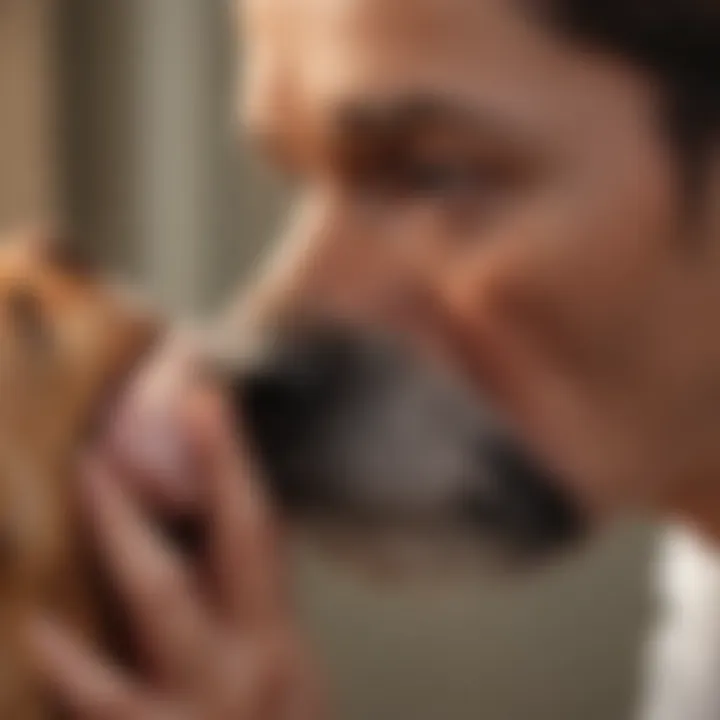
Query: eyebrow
point(387, 123)
point(403, 116)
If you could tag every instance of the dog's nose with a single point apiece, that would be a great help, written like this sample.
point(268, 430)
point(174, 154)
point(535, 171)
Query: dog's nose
point(297, 377)
point(279, 398)
point(286, 398)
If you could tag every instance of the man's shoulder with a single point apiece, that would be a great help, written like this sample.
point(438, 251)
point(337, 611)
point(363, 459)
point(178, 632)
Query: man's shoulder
point(688, 570)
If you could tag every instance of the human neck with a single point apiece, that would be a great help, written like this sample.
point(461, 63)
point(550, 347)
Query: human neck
point(699, 509)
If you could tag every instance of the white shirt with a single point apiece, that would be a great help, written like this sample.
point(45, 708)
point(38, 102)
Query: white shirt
point(683, 663)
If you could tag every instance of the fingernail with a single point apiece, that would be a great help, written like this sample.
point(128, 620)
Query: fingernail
point(156, 455)
point(149, 439)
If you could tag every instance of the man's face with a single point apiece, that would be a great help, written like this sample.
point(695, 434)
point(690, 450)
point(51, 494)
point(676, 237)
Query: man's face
point(506, 202)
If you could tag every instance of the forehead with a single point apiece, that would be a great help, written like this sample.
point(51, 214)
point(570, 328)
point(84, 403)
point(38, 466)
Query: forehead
point(327, 47)
point(303, 56)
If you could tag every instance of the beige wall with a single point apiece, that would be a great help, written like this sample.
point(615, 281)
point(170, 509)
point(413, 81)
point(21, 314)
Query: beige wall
point(26, 111)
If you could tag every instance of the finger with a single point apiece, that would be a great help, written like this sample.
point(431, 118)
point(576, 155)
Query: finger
point(243, 544)
point(88, 685)
point(149, 575)
point(144, 434)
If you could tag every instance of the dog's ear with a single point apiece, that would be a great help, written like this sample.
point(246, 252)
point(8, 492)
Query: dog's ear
point(69, 254)
point(62, 251)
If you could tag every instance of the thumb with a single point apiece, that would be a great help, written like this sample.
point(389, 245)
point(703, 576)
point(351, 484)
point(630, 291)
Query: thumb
point(146, 435)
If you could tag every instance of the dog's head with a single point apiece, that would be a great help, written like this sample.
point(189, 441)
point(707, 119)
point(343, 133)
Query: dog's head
point(66, 340)
point(501, 317)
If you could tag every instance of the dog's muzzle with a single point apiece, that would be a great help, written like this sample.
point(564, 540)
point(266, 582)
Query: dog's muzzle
point(357, 434)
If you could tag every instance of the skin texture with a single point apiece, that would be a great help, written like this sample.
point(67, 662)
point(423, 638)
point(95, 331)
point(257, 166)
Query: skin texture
point(507, 202)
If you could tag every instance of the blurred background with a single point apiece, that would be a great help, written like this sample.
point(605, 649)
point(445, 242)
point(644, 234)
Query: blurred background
point(118, 114)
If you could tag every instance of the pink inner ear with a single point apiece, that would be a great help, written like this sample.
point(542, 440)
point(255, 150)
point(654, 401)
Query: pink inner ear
point(26, 312)
point(65, 252)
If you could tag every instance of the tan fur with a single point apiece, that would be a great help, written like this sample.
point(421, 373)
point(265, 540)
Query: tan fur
point(64, 340)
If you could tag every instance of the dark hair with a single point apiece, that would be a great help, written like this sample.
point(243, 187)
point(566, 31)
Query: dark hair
point(678, 41)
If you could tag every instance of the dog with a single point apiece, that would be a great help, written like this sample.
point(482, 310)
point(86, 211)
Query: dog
point(66, 342)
